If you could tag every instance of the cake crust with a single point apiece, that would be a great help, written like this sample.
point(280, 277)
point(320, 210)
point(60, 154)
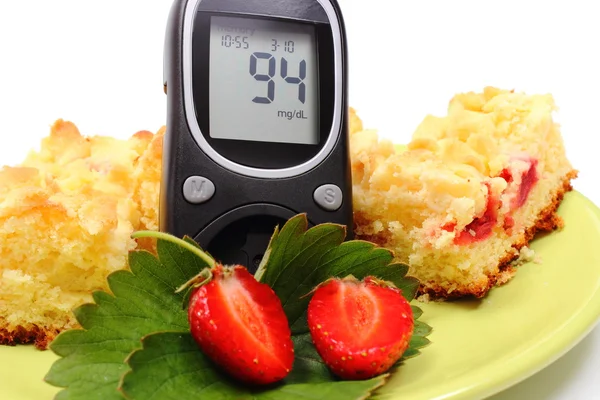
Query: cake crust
point(40, 337)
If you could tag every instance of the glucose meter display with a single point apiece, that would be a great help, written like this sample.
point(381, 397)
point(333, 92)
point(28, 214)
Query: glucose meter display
point(263, 81)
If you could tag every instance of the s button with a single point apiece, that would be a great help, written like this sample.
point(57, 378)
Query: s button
point(329, 197)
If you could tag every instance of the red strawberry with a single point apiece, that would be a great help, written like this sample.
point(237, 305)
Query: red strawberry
point(360, 329)
point(240, 324)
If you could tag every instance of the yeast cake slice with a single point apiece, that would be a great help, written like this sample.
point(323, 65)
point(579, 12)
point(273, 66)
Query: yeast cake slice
point(469, 192)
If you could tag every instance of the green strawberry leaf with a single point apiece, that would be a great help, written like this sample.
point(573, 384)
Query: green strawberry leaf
point(308, 365)
point(135, 342)
point(421, 329)
point(417, 312)
point(143, 301)
point(170, 366)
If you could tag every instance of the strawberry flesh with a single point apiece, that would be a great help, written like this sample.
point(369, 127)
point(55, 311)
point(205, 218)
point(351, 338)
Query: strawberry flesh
point(240, 324)
point(360, 329)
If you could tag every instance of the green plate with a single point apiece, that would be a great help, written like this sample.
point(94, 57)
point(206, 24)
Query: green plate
point(479, 347)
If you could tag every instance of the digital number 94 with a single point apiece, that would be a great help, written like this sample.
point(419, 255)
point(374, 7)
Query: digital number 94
point(268, 77)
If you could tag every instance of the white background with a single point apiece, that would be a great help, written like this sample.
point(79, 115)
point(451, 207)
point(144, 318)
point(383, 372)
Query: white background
point(99, 64)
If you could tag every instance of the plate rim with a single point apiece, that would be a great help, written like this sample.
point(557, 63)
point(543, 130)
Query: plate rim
point(564, 340)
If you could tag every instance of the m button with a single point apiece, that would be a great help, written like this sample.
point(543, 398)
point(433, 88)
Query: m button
point(198, 189)
point(328, 197)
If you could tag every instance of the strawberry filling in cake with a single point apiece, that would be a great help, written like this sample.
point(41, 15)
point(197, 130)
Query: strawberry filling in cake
point(467, 193)
point(481, 227)
point(517, 192)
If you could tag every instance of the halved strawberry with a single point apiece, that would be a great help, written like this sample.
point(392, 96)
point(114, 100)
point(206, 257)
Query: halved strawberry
point(240, 324)
point(360, 329)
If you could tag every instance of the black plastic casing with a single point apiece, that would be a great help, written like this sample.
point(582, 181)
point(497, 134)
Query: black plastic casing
point(236, 224)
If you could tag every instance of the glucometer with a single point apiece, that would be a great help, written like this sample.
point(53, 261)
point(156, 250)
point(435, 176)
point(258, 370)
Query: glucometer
point(257, 122)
